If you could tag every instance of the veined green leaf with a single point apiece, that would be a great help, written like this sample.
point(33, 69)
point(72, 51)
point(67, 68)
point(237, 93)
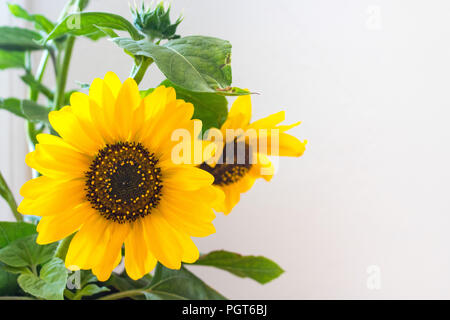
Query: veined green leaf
point(35, 112)
point(25, 252)
point(50, 284)
point(11, 231)
point(12, 105)
point(257, 268)
point(211, 108)
point(86, 23)
point(40, 22)
point(19, 39)
point(180, 284)
point(12, 59)
point(195, 63)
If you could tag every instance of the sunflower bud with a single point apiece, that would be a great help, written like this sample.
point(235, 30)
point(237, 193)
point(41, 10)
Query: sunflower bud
point(155, 23)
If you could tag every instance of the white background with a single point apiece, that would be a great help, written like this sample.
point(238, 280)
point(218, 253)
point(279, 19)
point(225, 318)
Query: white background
point(369, 80)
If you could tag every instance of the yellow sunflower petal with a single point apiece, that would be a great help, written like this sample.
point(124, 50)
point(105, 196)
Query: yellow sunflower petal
point(190, 250)
point(284, 128)
point(103, 117)
point(110, 247)
point(269, 122)
point(84, 247)
point(187, 178)
point(113, 82)
point(288, 146)
point(57, 227)
point(81, 106)
point(69, 128)
point(128, 99)
point(240, 113)
point(45, 138)
point(177, 115)
point(38, 186)
point(138, 258)
point(96, 91)
point(245, 183)
point(264, 168)
point(155, 106)
point(195, 220)
point(103, 271)
point(47, 165)
point(162, 240)
point(232, 198)
point(64, 195)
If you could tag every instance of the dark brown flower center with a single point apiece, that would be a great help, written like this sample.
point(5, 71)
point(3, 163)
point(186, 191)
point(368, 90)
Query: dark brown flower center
point(232, 166)
point(124, 182)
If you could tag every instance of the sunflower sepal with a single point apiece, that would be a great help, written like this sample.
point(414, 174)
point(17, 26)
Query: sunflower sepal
point(155, 23)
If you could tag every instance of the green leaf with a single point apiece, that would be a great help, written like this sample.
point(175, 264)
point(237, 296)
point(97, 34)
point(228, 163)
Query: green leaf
point(8, 283)
point(107, 31)
point(11, 231)
point(19, 39)
point(40, 22)
point(12, 105)
point(83, 4)
point(86, 23)
point(36, 85)
point(96, 35)
point(121, 282)
point(211, 108)
point(51, 281)
point(35, 112)
point(234, 91)
point(12, 59)
point(182, 284)
point(196, 63)
point(89, 290)
point(14, 270)
point(25, 252)
point(257, 268)
point(88, 286)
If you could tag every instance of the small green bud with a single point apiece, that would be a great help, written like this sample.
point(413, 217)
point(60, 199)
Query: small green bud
point(155, 23)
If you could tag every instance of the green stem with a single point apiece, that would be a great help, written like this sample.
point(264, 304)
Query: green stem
point(62, 74)
point(9, 197)
point(34, 270)
point(124, 294)
point(39, 74)
point(33, 95)
point(63, 247)
point(31, 132)
point(138, 71)
point(28, 67)
point(63, 68)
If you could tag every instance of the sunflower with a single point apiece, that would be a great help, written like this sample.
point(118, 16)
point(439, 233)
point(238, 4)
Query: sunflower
point(259, 140)
point(109, 179)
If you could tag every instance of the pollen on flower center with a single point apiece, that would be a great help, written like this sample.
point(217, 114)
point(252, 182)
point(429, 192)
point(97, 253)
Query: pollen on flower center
point(225, 174)
point(230, 169)
point(124, 182)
